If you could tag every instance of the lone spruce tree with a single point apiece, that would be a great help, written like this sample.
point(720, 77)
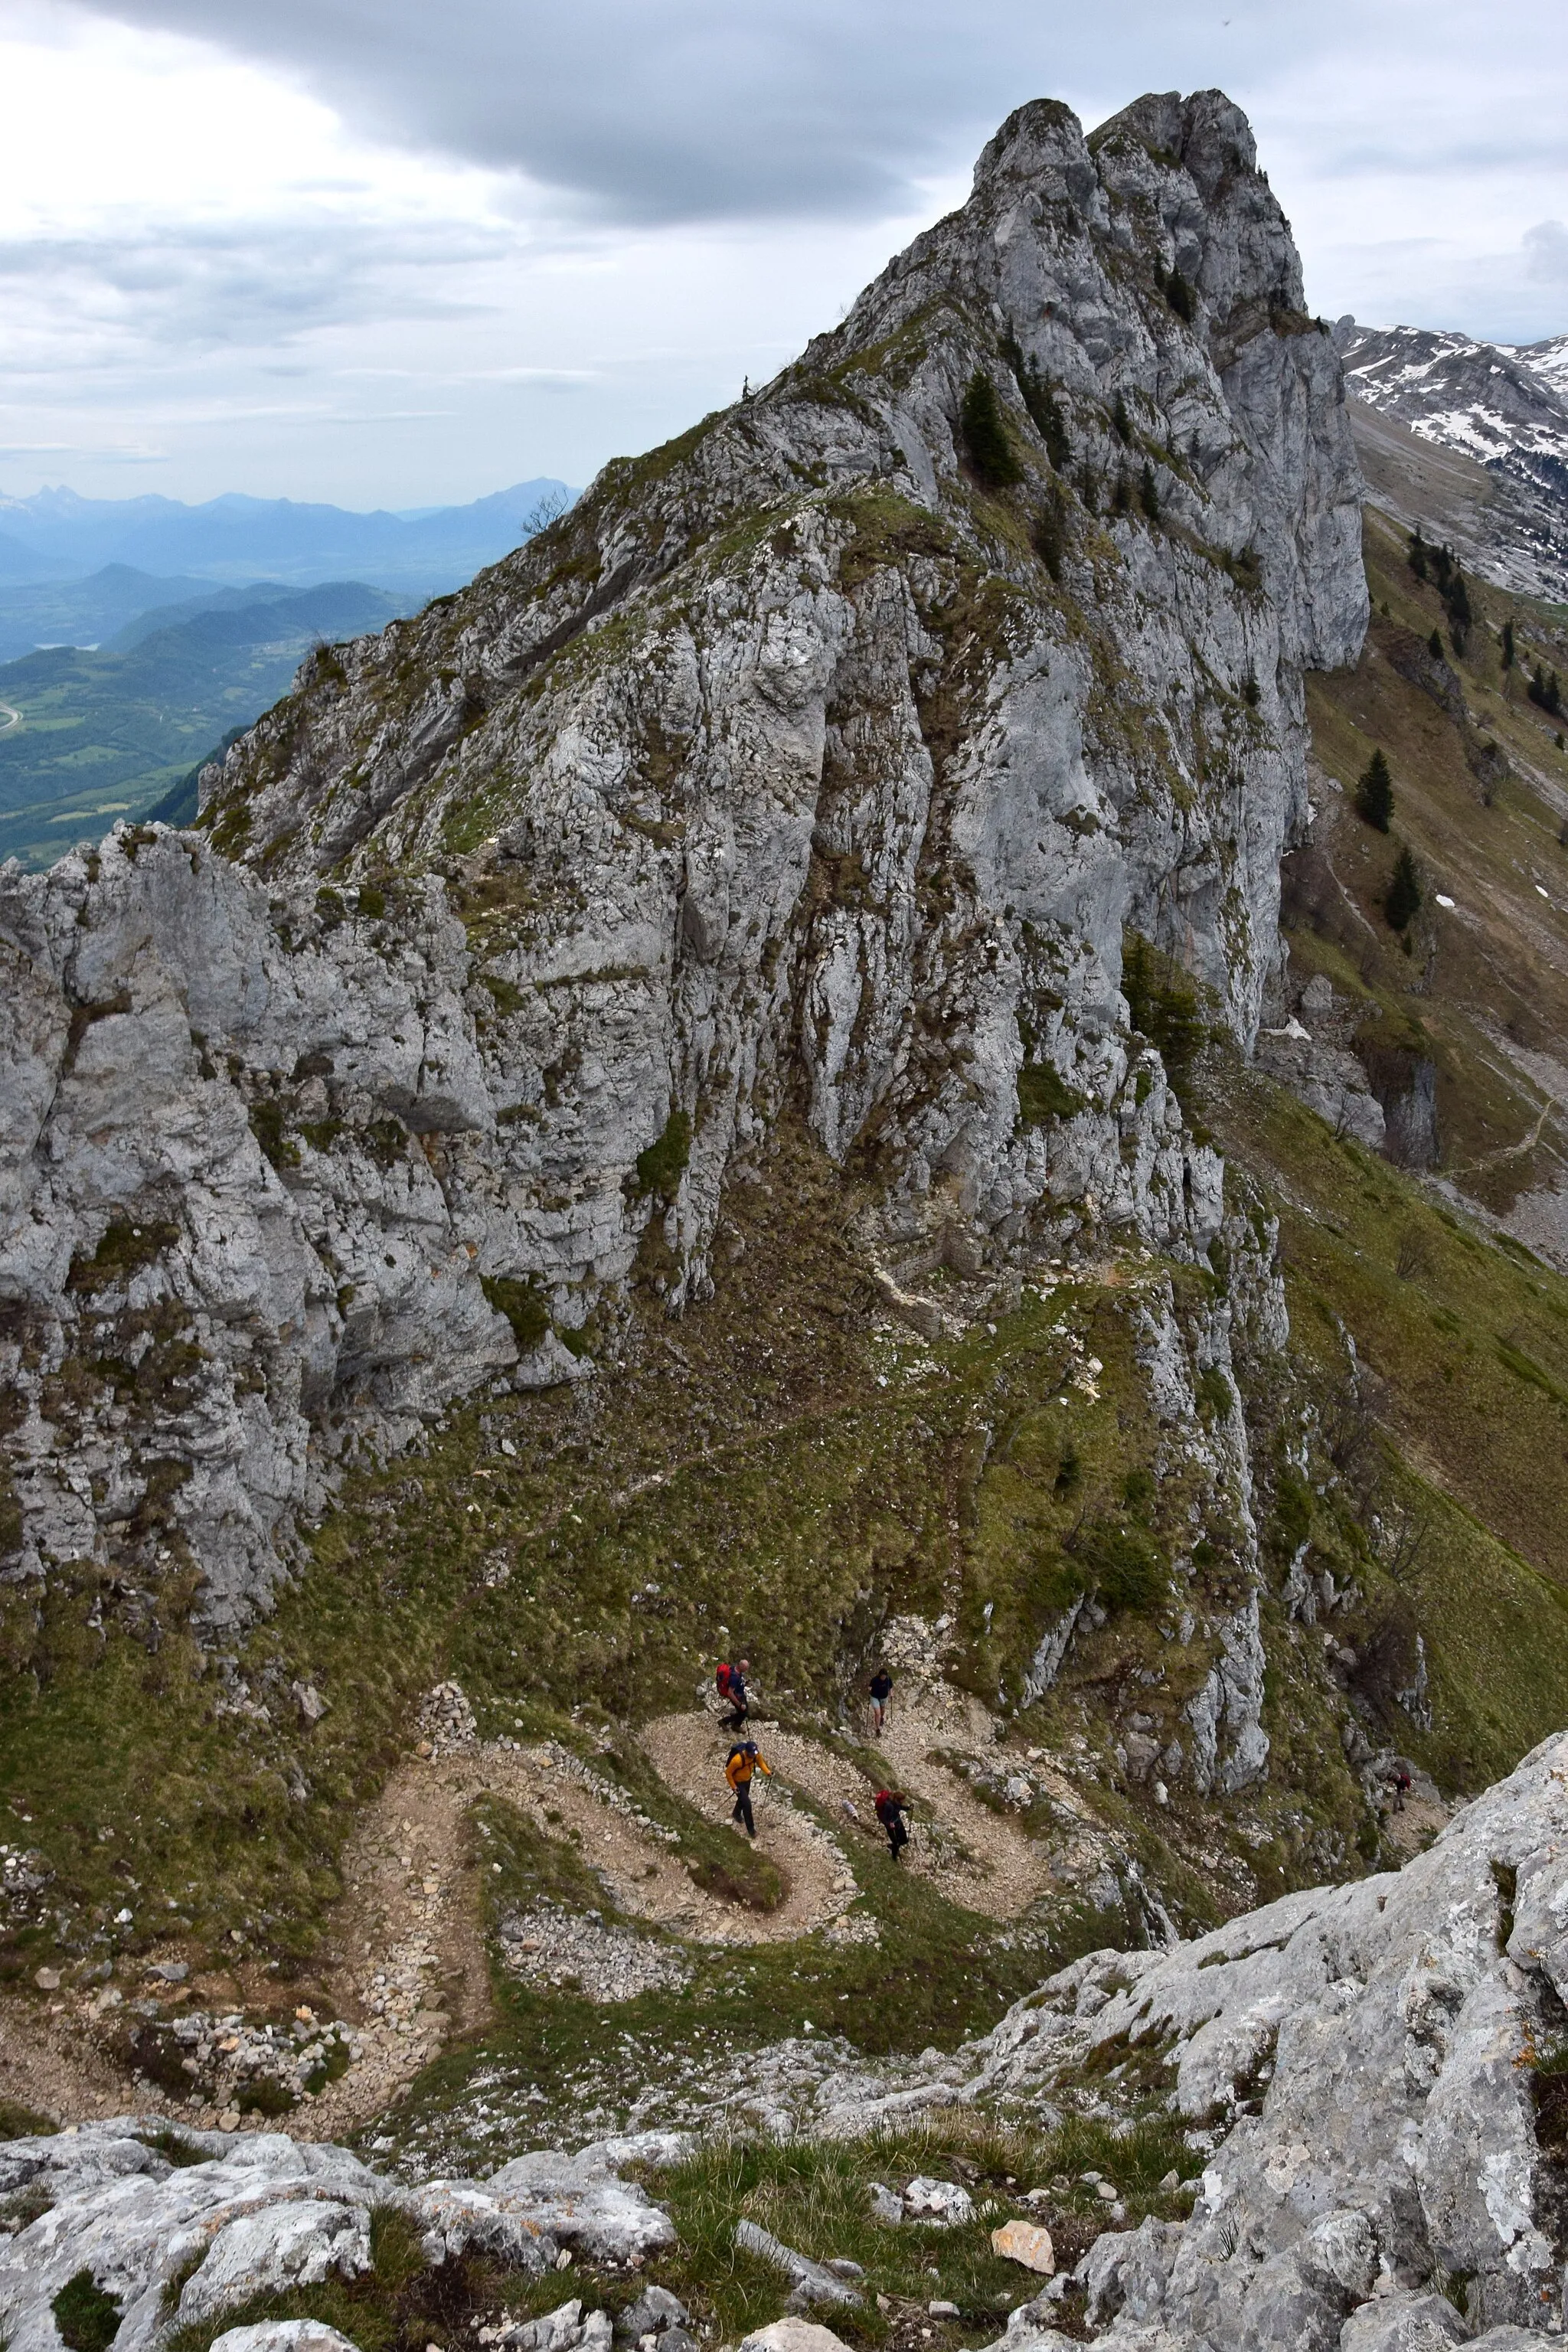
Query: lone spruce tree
point(1403, 903)
point(1375, 792)
point(984, 435)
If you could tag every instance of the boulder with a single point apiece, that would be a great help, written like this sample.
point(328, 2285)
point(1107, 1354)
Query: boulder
point(579, 2202)
point(283, 2336)
point(285, 2246)
point(942, 2202)
point(655, 2312)
point(793, 2334)
point(1028, 2243)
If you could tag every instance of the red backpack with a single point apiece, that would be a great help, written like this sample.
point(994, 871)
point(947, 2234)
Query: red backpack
point(721, 1677)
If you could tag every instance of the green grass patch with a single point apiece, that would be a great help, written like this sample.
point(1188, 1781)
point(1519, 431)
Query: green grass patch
point(85, 2314)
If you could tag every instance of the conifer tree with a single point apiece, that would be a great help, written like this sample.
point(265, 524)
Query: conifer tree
point(1179, 295)
point(1417, 558)
point(1435, 645)
point(1403, 903)
point(1046, 409)
point(1375, 792)
point(1148, 493)
point(984, 435)
point(1508, 645)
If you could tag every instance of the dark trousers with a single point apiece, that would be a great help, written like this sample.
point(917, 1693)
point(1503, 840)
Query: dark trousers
point(742, 1812)
point(738, 1716)
point(898, 1835)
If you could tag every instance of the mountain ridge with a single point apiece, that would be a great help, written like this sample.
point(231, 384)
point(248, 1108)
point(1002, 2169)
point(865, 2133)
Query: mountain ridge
point(234, 538)
point(708, 1095)
point(1504, 406)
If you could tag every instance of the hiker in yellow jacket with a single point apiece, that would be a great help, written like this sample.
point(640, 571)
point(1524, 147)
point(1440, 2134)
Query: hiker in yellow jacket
point(744, 1759)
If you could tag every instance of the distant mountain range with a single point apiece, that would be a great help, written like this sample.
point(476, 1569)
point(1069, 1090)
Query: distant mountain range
point(56, 536)
point(136, 633)
point(1504, 407)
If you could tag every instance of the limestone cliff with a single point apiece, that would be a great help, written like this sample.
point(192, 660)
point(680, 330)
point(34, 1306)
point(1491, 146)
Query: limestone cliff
point(816, 762)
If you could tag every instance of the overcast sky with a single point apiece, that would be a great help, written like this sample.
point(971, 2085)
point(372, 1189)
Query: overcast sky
point(400, 252)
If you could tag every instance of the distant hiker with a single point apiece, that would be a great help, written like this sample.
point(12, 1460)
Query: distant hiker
point(881, 1692)
point(740, 1705)
point(890, 1813)
point(1401, 1785)
point(745, 1759)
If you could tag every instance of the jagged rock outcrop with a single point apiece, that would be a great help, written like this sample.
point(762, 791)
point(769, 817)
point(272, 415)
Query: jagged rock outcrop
point(1372, 2056)
point(815, 762)
point(175, 2242)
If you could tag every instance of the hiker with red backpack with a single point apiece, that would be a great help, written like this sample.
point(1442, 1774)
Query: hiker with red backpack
point(731, 1682)
point(890, 1803)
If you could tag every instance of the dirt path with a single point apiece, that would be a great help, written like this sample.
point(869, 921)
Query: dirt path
point(689, 1751)
point(49, 2065)
point(415, 1968)
point(412, 1967)
point(977, 1856)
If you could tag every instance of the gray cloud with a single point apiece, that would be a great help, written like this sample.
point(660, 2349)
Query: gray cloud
point(200, 286)
point(733, 108)
point(679, 193)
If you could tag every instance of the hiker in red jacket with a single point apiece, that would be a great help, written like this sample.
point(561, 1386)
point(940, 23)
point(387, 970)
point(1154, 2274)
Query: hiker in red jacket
point(890, 1813)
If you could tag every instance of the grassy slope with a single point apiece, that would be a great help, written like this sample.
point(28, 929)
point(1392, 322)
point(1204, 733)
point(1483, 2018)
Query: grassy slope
point(1466, 1332)
point(1488, 981)
point(1469, 1348)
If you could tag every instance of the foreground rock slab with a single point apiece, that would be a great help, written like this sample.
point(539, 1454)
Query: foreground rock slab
point(175, 2243)
point(1376, 2052)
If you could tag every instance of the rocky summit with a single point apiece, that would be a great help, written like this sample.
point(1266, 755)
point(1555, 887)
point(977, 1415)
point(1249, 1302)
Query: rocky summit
point(819, 760)
point(889, 1115)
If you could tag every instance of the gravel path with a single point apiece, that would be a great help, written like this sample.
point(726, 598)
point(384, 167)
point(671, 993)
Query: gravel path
point(690, 1751)
point(412, 1967)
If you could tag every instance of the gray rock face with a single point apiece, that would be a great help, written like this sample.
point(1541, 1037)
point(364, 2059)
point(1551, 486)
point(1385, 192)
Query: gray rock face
point(1374, 2047)
point(265, 2213)
point(823, 755)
